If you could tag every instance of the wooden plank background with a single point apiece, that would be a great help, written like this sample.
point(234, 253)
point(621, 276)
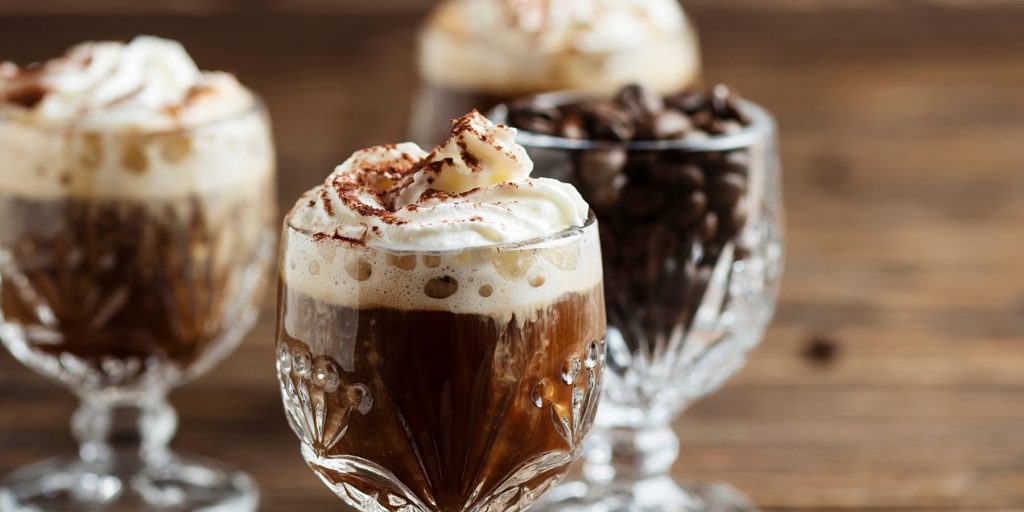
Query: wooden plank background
point(903, 146)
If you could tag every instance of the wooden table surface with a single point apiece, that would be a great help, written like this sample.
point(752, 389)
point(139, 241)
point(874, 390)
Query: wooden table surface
point(903, 146)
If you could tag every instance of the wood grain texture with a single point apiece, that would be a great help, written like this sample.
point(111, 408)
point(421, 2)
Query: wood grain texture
point(902, 134)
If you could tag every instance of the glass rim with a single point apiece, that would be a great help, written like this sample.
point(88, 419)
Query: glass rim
point(71, 126)
point(761, 125)
point(570, 232)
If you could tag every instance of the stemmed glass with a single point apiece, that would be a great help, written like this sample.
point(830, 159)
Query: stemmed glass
point(440, 381)
point(131, 261)
point(691, 232)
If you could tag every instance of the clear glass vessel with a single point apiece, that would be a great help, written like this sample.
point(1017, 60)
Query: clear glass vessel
point(441, 381)
point(692, 237)
point(131, 262)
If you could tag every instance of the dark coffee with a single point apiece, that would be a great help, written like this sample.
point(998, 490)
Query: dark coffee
point(104, 291)
point(444, 410)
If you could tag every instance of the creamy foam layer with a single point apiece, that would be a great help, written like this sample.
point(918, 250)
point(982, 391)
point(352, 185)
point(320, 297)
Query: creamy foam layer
point(148, 84)
point(395, 226)
point(52, 164)
point(499, 282)
point(131, 121)
point(515, 47)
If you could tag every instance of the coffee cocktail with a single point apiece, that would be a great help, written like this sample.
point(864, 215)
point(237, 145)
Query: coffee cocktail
point(137, 195)
point(479, 53)
point(441, 325)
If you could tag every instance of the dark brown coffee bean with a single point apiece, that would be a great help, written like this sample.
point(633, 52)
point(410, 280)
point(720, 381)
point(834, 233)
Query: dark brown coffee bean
point(684, 214)
point(606, 121)
point(703, 119)
point(668, 124)
point(640, 101)
point(726, 190)
point(689, 102)
point(534, 118)
point(725, 127)
point(572, 127)
point(710, 228)
point(738, 162)
point(678, 175)
point(599, 167)
point(600, 173)
point(725, 104)
point(641, 201)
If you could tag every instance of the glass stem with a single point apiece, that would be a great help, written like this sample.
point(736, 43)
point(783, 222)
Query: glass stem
point(122, 436)
point(625, 455)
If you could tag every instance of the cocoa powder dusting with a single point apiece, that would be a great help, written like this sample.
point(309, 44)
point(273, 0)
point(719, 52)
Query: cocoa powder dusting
point(28, 96)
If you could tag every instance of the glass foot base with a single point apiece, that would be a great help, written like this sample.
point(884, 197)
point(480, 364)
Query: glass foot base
point(71, 485)
point(660, 494)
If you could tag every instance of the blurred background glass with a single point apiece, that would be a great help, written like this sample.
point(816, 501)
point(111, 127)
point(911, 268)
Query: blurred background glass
point(892, 375)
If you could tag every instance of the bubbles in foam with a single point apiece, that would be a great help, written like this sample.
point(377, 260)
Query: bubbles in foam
point(536, 279)
point(512, 265)
point(499, 281)
point(431, 261)
point(404, 262)
point(358, 268)
point(175, 148)
point(441, 287)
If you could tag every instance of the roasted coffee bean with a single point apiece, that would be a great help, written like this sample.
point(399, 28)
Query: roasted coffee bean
point(606, 121)
point(737, 162)
point(534, 118)
point(710, 228)
point(726, 190)
point(668, 124)
point(677, 175)
point(727, 127)
point(688, 210)
point(642, 201)
point(703, 119)
point(572, 127)
point(639, 101)
point(599, 167)
point(723, 103)
point(689, 102)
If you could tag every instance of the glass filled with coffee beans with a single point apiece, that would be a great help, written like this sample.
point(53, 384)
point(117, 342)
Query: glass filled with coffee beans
point(687, 189)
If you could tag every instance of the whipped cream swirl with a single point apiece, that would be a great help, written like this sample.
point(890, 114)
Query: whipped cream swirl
point(473, 190)
point(514, 47)
point(587, 26)
point(149, 83)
